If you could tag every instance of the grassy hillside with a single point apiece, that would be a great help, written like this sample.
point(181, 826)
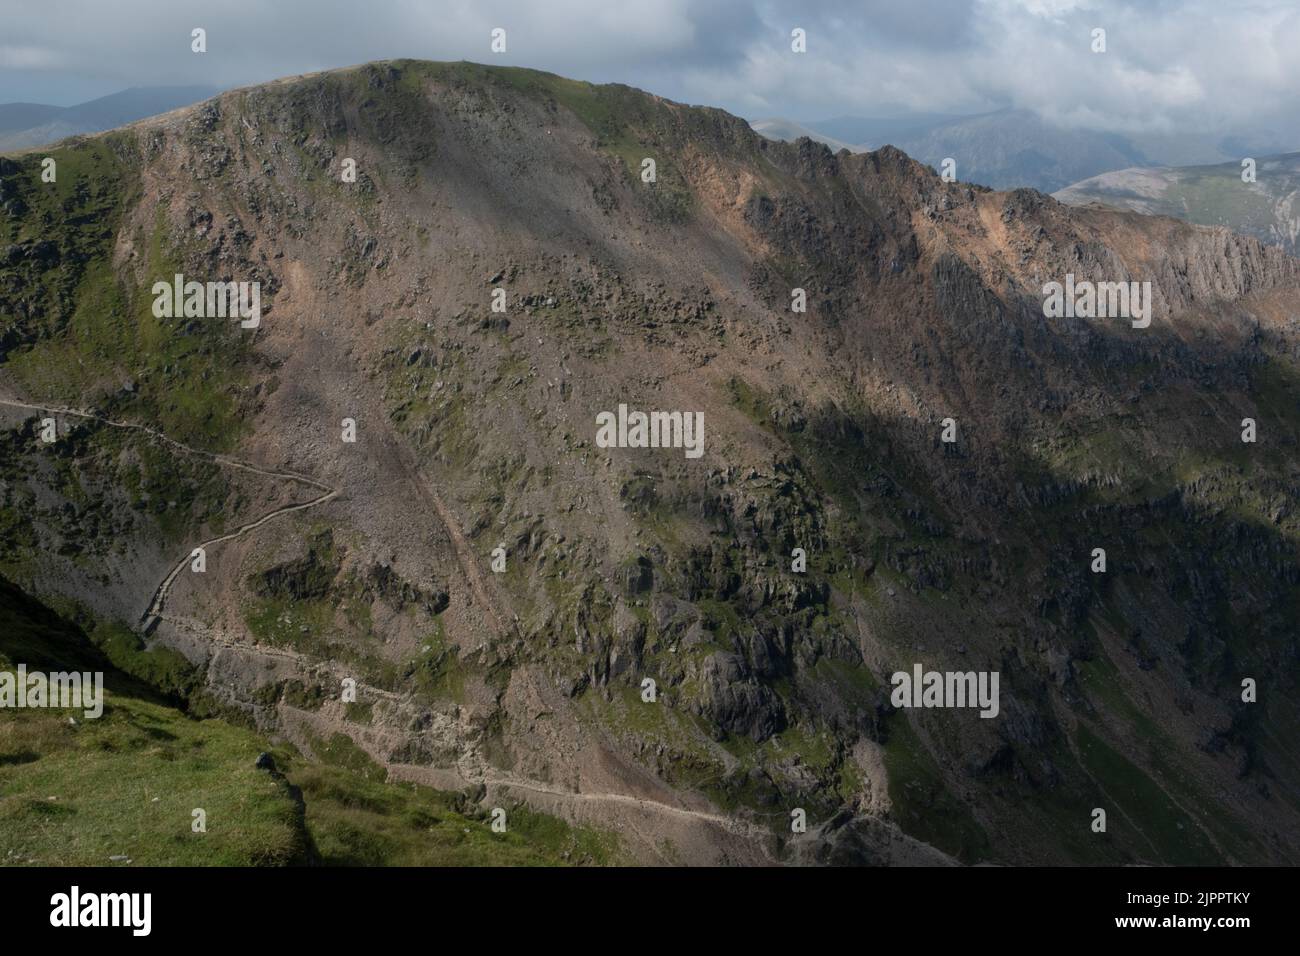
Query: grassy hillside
point(78, 791)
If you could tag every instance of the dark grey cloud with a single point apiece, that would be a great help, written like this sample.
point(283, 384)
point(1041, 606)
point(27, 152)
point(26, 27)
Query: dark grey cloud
point(1175, 65)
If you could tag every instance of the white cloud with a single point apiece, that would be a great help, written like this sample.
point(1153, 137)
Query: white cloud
point(1170, 64)
point(28, 57)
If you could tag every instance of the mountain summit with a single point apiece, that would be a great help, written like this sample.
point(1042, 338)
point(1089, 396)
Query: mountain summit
point(384, 518)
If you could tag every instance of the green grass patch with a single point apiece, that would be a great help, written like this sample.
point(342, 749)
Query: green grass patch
point(356, 821)
point(922, 804)
point(1173, 836)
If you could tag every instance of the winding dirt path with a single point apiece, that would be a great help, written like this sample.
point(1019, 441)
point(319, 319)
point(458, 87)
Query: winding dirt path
point(734, 825)
point(154, 433)
point(160, 595)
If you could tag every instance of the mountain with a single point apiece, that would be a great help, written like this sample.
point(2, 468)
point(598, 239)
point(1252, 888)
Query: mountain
point(1215, 195)
point(15, 117)
point(854, 133)
point(402, 479)
point(30, 124)
point(787, 131)
point(874, 132)
point(1012, 148)
point(1005, 149)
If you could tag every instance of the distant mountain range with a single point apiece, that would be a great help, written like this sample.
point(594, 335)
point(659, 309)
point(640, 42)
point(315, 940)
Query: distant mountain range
point(1268, 209)
point(33, 124)
point(1011, 148)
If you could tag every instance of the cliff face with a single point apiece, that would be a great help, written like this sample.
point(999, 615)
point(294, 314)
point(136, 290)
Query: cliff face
point(523, 669)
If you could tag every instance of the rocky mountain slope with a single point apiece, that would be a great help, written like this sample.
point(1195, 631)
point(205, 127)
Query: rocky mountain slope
point(1267, 208)
point(476, 441)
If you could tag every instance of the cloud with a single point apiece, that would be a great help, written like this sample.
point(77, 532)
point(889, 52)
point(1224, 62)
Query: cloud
point(28, 57)
point(1187, 65)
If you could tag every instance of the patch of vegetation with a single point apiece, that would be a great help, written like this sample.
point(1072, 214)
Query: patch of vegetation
point(437, 672)
point(922, 804)
point(340, 750)
point(1174, 837)
point(355, 821)
point(79, 792)
point(359, 712)
point(72, 325)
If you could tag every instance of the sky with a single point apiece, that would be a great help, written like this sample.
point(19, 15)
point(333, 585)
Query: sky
point(1169, 65)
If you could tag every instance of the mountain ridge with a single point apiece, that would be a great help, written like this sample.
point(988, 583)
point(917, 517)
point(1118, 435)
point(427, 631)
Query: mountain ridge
point(924, 302)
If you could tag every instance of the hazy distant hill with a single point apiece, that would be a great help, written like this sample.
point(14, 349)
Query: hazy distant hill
point(32, 124)
point(874, 132)
point(21, 116)
point(1006, 149)
point(1012, 148)
point(788, 131)
point(1268, 208)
